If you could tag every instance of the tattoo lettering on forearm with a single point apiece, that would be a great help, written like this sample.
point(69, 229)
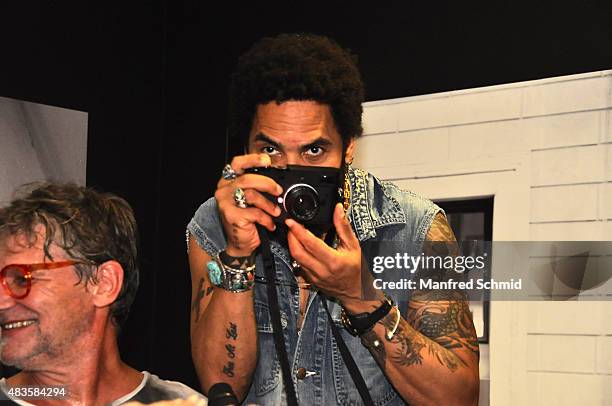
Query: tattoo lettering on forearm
point(231, 333)
point(209, 290)
point(231, 350)
point(195, 307)
point(229, 369)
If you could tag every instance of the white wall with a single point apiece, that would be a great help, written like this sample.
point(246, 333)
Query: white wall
point(39, 142)
point(544, 150)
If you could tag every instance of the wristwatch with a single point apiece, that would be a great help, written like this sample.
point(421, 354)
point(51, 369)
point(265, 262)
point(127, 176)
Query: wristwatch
point(358, 324)
point(228, 278)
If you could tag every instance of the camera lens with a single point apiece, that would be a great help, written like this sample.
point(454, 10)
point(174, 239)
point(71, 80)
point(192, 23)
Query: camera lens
point(301, 202)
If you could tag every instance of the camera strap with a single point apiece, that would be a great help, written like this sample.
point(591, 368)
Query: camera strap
point(353, 370)
point(279, 338)
point(274, 308)
point(348, 358)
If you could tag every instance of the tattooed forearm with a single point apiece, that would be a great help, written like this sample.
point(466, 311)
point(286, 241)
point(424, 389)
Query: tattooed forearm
point(437, 332)
point(442, 315)
point(229, 369)
point(407, 346)
point(411, 343)
point(408, 350)
point(195, 307)
point(231, 333)
point(231, 350)
point(447, 322)
point(438, 323)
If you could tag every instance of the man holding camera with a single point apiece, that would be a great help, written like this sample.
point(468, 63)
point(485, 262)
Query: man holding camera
point(296, 100)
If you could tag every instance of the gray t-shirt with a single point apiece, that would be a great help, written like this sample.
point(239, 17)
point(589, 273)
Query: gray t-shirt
point(150, 390)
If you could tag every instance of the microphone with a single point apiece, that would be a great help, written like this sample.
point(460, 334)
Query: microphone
point(221, 394)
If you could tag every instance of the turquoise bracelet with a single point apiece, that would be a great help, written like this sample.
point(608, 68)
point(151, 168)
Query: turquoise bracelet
point(234, 280)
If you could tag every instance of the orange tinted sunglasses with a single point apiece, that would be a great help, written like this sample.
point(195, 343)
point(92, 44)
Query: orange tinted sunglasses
point(17, 278)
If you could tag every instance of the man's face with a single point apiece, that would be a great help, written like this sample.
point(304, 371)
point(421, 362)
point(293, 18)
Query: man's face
point(56, 313)
point(297, 133)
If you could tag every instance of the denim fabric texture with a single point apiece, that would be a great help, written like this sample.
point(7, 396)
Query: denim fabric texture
point(386, 220)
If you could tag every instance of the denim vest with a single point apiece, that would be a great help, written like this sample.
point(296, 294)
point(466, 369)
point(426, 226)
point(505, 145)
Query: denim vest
point(386, 220)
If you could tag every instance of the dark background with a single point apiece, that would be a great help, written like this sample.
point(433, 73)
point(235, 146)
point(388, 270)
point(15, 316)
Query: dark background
point(153, 78)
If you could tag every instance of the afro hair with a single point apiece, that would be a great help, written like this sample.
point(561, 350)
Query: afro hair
point(297, 67)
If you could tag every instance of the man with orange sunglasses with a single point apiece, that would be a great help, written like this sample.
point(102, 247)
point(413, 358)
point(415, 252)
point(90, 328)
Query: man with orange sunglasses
point(69, 274)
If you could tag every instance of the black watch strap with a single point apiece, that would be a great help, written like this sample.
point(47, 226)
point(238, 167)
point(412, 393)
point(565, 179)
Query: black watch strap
point(357, 324)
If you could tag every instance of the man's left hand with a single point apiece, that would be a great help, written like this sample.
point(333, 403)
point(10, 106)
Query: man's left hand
point(336, 272)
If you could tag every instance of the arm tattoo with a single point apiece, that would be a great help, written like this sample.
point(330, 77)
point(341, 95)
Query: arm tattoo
point(449, 323)
point(231, 334)
point(229, 369)
point(408, 345)
point(195, 307)
point(232, 331)
point(442, 315)
point(231, 350)
point(438, 322)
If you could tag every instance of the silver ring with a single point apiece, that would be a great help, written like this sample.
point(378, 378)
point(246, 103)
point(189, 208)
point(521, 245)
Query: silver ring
point(228, 173)
point(240, 198)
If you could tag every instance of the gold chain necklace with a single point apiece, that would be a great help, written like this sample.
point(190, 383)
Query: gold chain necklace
point(347, 193)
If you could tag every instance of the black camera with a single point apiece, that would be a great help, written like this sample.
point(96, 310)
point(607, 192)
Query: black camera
point(309, 196)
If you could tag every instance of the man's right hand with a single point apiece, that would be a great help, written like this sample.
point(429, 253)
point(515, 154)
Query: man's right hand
point(239, 223)
point(223, 329)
